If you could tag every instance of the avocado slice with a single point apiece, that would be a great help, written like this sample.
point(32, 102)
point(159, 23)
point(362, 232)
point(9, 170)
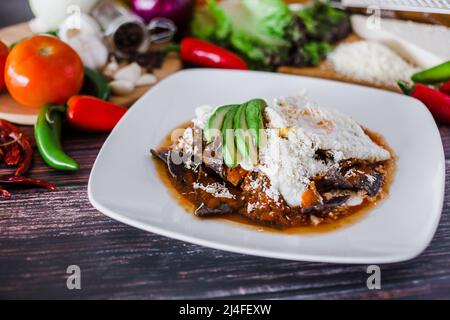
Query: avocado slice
point(240, 130)
point(229, 151)
point(244, 140)
point(253, 114)
point(215, 122)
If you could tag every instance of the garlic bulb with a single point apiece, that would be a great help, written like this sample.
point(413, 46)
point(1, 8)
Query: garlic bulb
point(86, 40)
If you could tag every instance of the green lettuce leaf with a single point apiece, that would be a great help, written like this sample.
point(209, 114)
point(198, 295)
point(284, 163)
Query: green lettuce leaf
point(256, 29)
point(315, 51)
point(210, 22)
point(323, 22)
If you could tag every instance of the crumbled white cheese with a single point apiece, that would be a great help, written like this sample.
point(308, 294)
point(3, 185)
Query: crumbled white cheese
point(371, 178)
point(187, 145)
point(199, 207)
point(270, 191)
point(315, 220)
point(296, 130)
point(216, 189)
point(202, 114)
point(354, 200)
point(370, 61)
point(186, 141)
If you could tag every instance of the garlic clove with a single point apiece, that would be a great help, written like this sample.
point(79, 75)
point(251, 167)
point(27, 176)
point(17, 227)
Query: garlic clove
point(146, 80)
point(121, 87)
point(130, 73)
point(111, 69)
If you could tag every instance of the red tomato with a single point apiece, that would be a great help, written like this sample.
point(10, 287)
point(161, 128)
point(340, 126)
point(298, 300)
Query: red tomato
point(43, 69)
point(3, 55)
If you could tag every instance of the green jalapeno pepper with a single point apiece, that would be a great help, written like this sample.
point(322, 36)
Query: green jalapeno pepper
point(439, 73)
point(95, 84)
point(47, 132)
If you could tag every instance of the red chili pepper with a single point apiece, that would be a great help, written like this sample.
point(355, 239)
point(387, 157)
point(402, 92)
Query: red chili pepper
point(205, 54)
point(437, 102)
point(92, 114)
point(445, 88)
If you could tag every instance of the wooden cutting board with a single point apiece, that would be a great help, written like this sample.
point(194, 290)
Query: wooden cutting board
point(12, 111)
point(326, 71)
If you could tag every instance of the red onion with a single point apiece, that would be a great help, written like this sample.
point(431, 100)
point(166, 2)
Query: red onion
point(179, 11)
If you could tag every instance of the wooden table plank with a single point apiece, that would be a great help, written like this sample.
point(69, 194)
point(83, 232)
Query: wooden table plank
point(41, 233)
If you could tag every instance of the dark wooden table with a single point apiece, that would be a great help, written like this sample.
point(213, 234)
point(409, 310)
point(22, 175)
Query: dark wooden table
point(42, 233)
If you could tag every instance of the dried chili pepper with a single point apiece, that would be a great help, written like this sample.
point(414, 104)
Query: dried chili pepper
point(5, 193)
point(13, 155)
point(16, 150)
point(14, 133)
point(15, 180)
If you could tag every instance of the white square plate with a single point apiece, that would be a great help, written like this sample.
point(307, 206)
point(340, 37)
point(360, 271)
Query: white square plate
point(125, 186)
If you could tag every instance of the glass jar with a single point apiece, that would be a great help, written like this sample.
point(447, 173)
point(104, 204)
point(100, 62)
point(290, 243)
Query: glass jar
point(126, 33)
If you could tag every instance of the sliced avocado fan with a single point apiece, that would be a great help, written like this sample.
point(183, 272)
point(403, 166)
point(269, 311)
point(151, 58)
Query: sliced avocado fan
point(240, 128)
